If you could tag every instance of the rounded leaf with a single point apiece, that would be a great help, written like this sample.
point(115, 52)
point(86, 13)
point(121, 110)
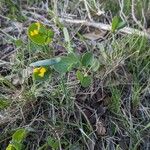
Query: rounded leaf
point(79, 75)
point(86, 81)
point(39, 34)
point(117, 24)
point(63, 66)
point(19, 135)
point(10, 147)
point(66, 63)
point(87, 59)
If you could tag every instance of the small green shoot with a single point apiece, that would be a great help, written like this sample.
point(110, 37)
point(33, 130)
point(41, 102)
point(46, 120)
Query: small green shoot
point(17, 139)
point(115, 104)
point(117, 24)
point(84, 79)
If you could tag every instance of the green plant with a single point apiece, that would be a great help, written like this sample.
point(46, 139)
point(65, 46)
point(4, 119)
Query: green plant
point(115, 104)
point(39, 34)
point(17, 139)
point(115, 67)
point(84, 65)
point(117, 24)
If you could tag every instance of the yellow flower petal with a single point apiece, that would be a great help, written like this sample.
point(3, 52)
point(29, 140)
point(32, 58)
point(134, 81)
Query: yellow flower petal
point(32, 33)
point(41, 74)
point(42, 71)
point(36, 32)
point(38, 25)
point(35, 70)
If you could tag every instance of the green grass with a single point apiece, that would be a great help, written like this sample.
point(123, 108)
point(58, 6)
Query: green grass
point(59, 113)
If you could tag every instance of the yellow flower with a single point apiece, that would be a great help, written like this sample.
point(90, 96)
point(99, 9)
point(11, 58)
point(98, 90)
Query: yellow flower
point(32, 33)
point(38, 25)
point(35, 70)
point(35, 32)
point(40, 71)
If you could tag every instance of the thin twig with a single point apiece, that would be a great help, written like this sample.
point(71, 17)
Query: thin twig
point(106, 27)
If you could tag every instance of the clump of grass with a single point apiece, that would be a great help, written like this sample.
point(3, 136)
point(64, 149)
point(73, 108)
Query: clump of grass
point(115, 104)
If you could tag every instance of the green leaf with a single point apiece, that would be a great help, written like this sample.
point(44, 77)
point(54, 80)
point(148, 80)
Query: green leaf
point(95, 65)
point(84, 80)
point(66, 63)
point(87, 59)
point(18, 43)
point(87, 80)
point(43, 36)
point(79, 75)
point(46, 62)
point(17, 145)
point(19, 135)
point(117, 24)
point(10, 147)
point(17, 139)
point(63, 66)
point(72, 58)
point(121, 25)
